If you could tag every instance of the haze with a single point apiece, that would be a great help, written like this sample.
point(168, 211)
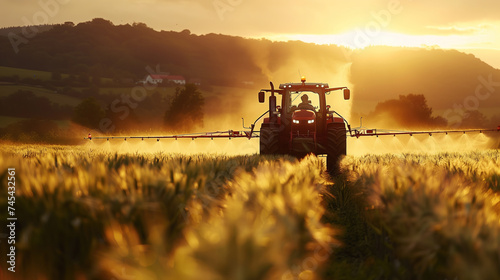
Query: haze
point(470, 26)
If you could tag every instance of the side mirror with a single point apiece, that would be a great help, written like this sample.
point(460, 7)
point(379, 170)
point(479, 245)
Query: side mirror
point(347, 94)
point(262, 97)
point(328, 108)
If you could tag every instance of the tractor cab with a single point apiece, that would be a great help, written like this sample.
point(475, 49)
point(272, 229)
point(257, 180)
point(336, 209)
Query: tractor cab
point(304, 107)
point(307, 100)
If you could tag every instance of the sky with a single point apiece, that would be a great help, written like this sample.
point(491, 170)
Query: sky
point(470, 26)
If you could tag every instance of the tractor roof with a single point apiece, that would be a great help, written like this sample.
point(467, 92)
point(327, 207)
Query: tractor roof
point(303, 86)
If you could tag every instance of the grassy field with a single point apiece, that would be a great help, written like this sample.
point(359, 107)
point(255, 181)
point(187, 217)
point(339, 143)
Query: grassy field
point(35, 74)
point(5, 121)
point(88, 214)
point(54, 97)
point(24, 73)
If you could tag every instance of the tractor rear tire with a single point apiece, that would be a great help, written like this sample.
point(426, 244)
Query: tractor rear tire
point(336, 148)
point(269, 141)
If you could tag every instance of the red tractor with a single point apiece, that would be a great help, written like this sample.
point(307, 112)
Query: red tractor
point(307, 127)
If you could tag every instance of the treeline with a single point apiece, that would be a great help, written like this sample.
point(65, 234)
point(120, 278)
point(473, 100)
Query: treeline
point(19, 29)
point(182, 112)
point(102, 113)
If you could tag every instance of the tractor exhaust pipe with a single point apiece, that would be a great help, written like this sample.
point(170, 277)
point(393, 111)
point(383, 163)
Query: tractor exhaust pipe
point(272, 105)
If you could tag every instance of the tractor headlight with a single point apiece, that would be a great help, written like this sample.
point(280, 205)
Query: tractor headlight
point(295, 121)
point(310, 121)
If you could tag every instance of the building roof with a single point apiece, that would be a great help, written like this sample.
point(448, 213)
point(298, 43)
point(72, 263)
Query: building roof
point(167, 77)
point(157, 77)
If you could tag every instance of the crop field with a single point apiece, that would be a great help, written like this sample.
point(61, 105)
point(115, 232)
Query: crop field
point(87, 213)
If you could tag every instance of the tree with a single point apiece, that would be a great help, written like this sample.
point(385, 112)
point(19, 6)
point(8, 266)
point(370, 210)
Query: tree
point(409, 111)
point(186, 110)
point(140, 25)
point(101, 21)
point(88, 113)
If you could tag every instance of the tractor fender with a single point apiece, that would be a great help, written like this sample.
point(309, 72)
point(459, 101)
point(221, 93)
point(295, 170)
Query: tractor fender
point(266, 120)
point(334, 120)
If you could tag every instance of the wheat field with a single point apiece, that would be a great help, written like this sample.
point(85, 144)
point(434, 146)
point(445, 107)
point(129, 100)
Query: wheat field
point(89, 214)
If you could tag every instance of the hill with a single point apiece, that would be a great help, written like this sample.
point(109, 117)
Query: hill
point(450, 80)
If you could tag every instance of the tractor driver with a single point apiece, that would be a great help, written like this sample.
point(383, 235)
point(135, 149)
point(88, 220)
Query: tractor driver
point(306, 103)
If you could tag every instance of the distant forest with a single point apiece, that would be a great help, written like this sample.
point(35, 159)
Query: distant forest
point(86, 58)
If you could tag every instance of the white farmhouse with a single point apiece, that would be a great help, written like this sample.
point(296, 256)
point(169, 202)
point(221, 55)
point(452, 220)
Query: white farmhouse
point(158, 79)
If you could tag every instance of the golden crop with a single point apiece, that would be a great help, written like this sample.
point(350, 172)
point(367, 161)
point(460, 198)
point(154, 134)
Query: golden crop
point(440, 212)
point(88, 214)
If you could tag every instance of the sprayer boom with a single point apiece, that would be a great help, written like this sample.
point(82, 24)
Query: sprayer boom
point(256, 134)
point(381, 132)
point(217, 134)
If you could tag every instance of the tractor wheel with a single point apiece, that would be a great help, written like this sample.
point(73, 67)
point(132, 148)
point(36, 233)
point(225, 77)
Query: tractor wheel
point(269, 141)
point(336, 147)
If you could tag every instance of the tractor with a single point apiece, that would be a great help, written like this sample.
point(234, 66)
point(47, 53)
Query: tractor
point(299, 129)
